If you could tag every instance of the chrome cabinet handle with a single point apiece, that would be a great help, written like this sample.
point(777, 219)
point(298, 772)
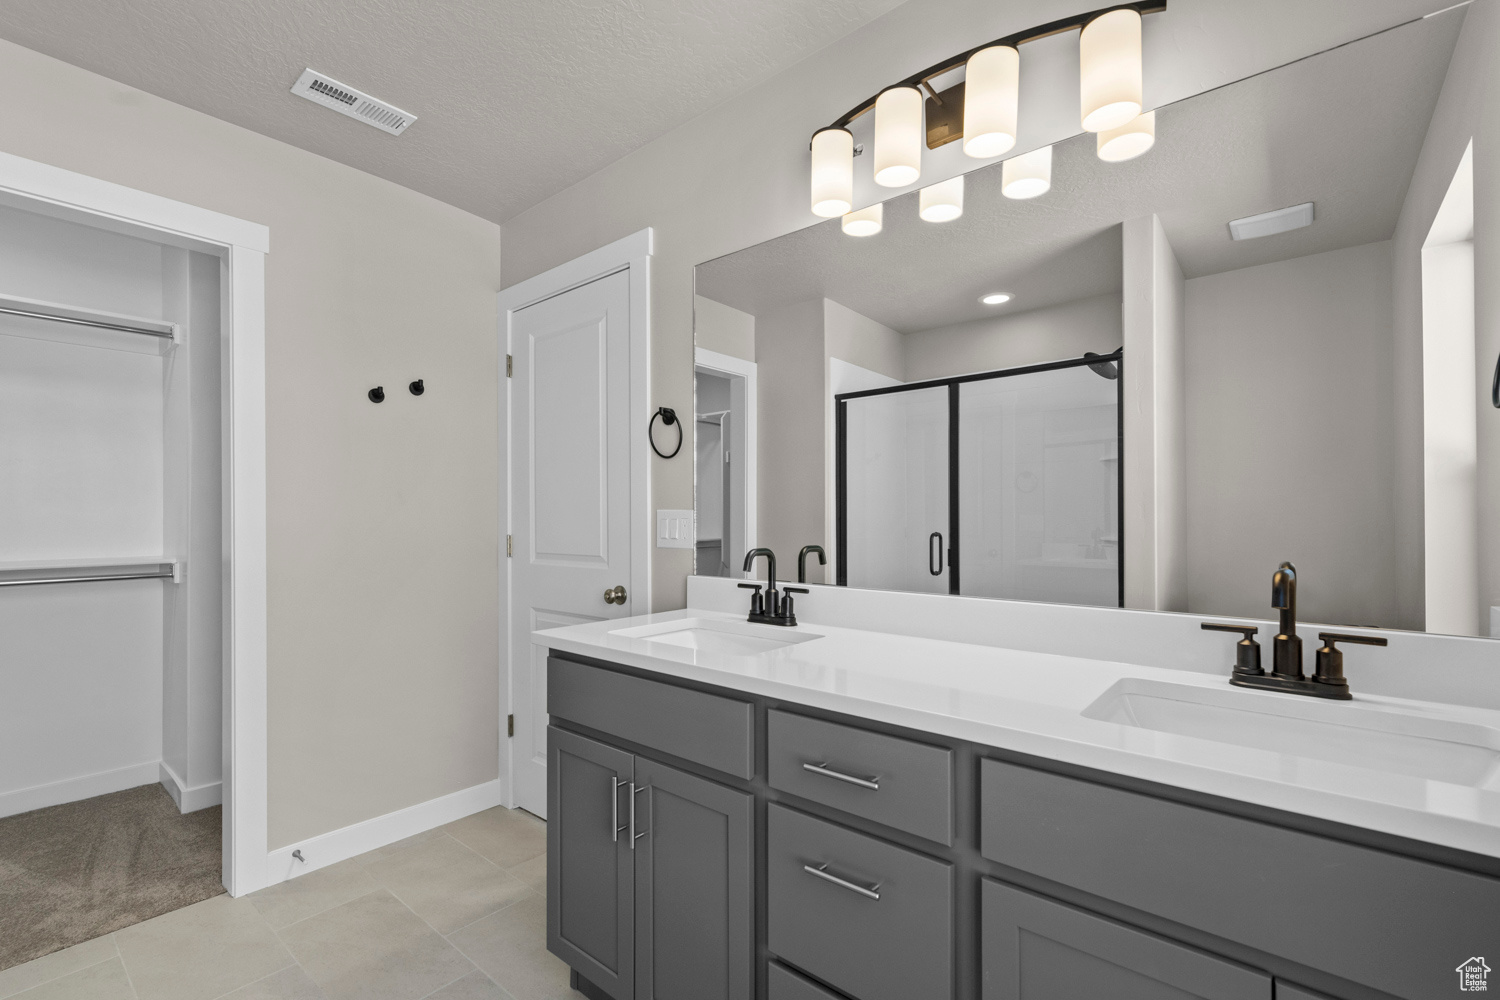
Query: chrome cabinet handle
point(615, 784)
point(634, 791)
point(872, 782)
point(822, 872)
point(614, 595)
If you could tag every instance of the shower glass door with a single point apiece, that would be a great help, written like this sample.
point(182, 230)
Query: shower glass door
point(1003, 484)
point(1039, 487)
point(893, 524)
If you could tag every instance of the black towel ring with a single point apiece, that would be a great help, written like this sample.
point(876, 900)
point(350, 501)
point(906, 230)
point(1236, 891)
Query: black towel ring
point(1495, 386)
point(669, 417)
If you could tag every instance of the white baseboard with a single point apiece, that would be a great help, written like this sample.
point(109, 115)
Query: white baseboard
point(71, 790)
point(190, 799)
point(338, 845)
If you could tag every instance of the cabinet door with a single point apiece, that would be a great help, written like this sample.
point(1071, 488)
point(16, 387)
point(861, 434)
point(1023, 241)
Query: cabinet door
point(694, 890)
point(1036, 949)
point(590, 883)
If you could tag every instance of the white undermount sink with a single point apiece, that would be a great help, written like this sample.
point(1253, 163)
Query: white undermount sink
point(1379, 737)
point(718, 635)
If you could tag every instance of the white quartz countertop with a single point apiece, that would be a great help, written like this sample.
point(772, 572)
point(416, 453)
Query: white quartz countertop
point(1034, 703)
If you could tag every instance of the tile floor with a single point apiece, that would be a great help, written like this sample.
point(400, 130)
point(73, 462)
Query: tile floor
point(457, 913)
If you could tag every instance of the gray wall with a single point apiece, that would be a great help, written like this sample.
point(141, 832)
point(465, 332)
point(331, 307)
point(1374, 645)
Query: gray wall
point(383, 520)
point(1012, 339)
point(723, 329)
point(789, 344)
point(1289, 419)
point(1465, 110)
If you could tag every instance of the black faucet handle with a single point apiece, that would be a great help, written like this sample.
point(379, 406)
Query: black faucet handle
point(1246, 651)
point(1330, 662)
point(756, 605)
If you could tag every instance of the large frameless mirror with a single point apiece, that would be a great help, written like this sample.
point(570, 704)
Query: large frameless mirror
point(1146, 387)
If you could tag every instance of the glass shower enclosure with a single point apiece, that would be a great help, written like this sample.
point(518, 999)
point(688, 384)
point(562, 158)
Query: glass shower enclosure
point(1003, 484)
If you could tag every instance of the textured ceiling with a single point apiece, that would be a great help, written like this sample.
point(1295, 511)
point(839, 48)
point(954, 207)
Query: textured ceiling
point(1342, 129)
point(516, 99)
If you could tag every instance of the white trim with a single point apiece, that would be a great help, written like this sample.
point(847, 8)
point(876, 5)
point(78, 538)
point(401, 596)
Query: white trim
point(72, 789)
point(632, 253)
point(190, 799)
point(733, 367)
point(351, 841)
point(242, 247)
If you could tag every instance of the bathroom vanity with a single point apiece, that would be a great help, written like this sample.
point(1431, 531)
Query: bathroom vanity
point(745, 811)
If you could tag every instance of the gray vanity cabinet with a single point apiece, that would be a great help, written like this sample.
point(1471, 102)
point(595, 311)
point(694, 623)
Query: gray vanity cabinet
point(649, 874)
point(590, 866)
point(1034, 948)
point(694, 888)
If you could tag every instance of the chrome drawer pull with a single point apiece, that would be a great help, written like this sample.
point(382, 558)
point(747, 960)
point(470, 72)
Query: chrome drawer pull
point(869, 892)
point(634, 791)
point(615, 784)
point(872, 782)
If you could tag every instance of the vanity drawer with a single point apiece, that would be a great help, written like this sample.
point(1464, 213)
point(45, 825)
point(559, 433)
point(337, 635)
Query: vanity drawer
point(1369, 916)
point(894, 947)
point(784, 984)
point(912, 782)
point(704, 728)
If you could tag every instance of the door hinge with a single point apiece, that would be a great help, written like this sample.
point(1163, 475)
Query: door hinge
point(508, 546)
point(510, 725)
point(507, 366)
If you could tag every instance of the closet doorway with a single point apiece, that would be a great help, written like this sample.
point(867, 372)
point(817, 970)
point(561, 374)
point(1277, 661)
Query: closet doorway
point(132, 557)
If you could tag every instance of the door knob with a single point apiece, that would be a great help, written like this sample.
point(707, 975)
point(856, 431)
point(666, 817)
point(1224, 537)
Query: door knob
point(615, 595)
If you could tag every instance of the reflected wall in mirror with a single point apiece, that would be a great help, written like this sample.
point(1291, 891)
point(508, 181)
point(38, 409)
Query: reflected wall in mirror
point(1110, 395)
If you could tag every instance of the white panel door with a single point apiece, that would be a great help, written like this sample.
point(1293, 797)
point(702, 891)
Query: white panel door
point(570, 491)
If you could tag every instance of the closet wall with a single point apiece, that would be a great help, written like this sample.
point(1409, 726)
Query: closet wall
point(108, 456)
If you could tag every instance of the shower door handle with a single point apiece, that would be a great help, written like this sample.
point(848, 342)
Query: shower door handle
point(935, 553)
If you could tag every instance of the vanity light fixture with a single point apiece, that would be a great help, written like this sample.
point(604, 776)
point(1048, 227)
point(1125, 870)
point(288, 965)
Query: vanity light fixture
point(832, 172)
point(992, 95)
point(1129, 140)
point(1028, 175)
point(1109, 63)
point(898, 137)
point(996, 298)
point(982, 110)
point(865, 222)
point(943, 201)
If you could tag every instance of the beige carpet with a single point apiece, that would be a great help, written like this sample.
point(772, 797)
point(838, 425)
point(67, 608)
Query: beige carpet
point(72, 872)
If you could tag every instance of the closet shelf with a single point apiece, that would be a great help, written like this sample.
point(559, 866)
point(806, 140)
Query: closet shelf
point(15, 305)
point(36, 572)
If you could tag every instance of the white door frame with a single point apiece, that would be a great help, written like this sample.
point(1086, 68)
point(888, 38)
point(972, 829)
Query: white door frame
point(242, 247)
point(731, 367)
point(633, 254)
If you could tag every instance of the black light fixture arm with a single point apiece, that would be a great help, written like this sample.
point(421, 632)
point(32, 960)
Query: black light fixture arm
point(1017, 38)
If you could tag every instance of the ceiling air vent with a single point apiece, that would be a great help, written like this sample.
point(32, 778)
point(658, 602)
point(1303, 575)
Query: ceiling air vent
point(330, 93)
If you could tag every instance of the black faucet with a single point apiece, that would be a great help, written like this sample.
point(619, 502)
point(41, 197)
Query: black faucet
point(1286, 658)
point(802, 560)
point(774, 609)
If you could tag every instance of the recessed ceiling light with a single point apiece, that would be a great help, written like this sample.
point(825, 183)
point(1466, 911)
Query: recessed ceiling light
point(1270, 223)
point(996, 299)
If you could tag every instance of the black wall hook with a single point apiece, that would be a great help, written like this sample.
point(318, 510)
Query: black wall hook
point(668, 417)
point(417, 388)
point(377, 394)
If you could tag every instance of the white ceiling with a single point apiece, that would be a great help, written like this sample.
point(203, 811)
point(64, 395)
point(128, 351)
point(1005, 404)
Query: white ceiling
point(516, 99)
point(1342, 129)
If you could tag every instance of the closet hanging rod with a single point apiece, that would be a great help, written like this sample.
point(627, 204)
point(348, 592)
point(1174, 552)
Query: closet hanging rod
point(13, 305)
point(167, 575)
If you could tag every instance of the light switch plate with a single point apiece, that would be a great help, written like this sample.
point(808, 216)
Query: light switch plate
point(676, 529)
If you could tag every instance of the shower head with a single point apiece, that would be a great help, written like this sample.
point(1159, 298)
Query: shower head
point(1104, 369)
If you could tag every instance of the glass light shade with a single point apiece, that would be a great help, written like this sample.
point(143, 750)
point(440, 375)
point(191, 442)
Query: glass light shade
point(898, 137)
point(1129, 140)
point(832, 172)
point(1027, 175)
point(943, 201)
point(1109, 56)
point(992, 93)
point(865, 222)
